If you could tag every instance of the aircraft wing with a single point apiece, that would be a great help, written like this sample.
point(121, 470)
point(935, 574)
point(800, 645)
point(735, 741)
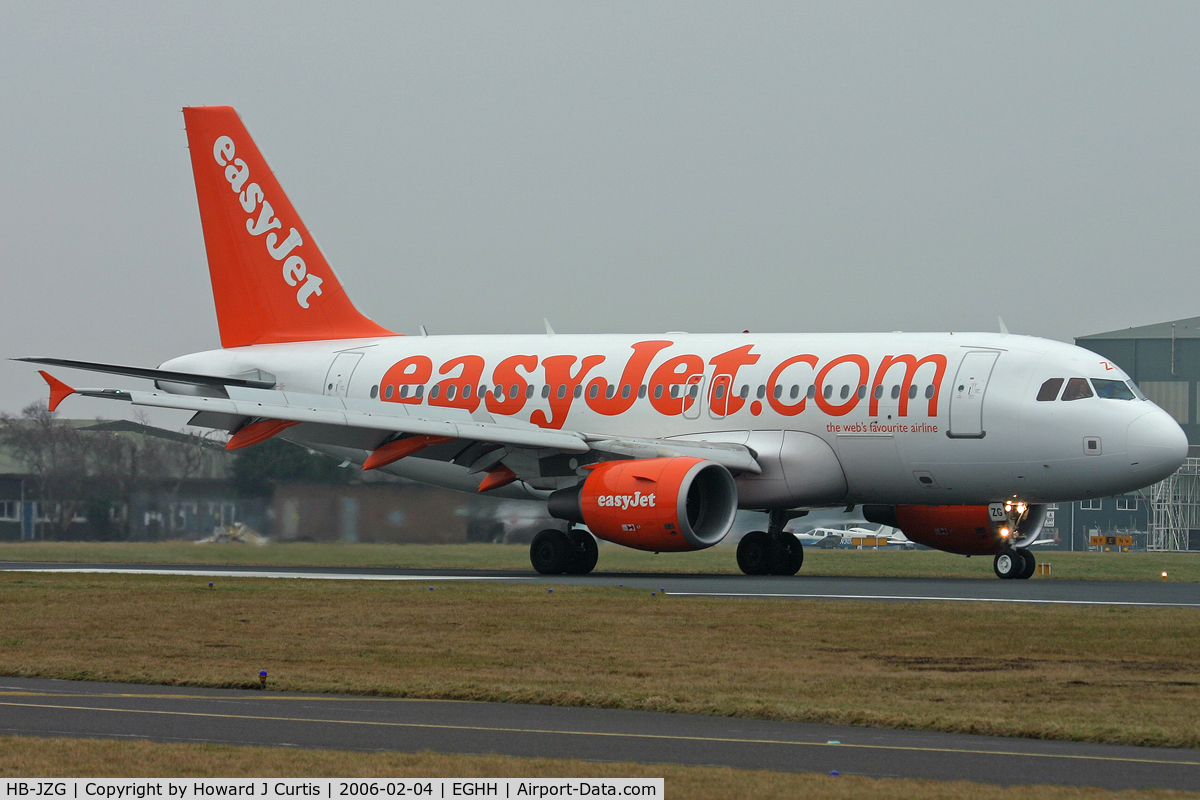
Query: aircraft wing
point(366, 425)
point(256, 381)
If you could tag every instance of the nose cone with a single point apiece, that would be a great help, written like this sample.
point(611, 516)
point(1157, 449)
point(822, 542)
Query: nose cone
point(1157, 446)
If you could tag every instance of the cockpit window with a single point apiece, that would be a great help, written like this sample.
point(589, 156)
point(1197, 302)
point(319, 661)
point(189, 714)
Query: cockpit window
point(1049, 390)
point(1133, 387)
point(1077, 389)
point(1113, 390)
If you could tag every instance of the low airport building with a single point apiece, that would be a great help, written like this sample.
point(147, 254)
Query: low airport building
point(1164, 360)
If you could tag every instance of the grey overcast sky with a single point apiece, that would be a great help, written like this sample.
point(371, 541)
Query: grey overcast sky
point(473, 167)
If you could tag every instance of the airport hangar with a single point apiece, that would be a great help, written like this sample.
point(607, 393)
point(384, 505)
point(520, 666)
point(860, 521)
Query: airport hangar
point(1164, 360)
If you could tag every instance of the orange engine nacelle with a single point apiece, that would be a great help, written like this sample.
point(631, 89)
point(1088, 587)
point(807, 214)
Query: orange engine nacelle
point(658, 504)
point(966, 530)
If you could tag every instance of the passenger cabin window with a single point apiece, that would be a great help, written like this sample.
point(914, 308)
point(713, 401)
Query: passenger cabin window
point(1049, 390)
point(1112, 390)
point(1077, 389)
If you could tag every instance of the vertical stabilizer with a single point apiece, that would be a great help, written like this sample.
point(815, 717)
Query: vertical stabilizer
point(270, 281)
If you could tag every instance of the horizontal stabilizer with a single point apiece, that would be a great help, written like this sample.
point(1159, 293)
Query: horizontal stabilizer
point(166, 375)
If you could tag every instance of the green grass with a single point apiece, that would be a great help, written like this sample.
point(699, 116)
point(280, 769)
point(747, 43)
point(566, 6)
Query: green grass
point(718, 560)
point(1107, 674)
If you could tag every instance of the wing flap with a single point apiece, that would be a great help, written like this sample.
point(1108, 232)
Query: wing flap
point(320, 409)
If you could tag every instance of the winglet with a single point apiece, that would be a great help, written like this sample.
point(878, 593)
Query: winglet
point(1003, 327)
point(59, 391)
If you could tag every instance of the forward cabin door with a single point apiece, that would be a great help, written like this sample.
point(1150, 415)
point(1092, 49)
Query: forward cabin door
point(337, 381)
point(966, 397)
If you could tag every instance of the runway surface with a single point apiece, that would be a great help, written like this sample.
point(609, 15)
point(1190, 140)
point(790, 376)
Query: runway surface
point(1035, 590)
point(172, 714)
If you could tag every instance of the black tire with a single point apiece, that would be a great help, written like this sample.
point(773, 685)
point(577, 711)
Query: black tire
point(1008, 564)
point(789, 554)
point(755, 553)
point(1029, 565)
point(583, 552)
point(550, 552)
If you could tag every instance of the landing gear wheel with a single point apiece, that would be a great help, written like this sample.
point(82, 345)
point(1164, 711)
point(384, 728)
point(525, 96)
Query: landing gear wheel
point(1008, 564)
point(550, 552)
point(754, 553)
point(1029, 565)
point(788, 552)
point(583, 552)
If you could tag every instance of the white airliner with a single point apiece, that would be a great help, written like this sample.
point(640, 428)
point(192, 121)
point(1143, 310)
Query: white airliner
point(652, 442)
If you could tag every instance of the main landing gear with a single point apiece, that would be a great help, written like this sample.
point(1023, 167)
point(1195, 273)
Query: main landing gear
point(773, 551)
point(573, 552)
point(1015, 564)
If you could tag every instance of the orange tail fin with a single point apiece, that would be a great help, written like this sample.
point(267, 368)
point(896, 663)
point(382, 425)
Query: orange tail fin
point(269, 279)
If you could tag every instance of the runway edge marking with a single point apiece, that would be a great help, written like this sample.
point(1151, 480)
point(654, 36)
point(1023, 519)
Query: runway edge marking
point(1028, 601)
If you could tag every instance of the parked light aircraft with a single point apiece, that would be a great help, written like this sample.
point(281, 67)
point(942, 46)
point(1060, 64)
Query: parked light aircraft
point(652, 442)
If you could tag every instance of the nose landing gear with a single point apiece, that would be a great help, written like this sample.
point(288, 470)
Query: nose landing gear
point(1012, 562)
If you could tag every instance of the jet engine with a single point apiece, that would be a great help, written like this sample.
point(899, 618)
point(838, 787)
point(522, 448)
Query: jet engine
point(658, 504)
point(966, 530)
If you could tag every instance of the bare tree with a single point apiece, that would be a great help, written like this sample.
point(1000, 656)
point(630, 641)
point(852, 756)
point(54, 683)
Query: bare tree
point(56, 456)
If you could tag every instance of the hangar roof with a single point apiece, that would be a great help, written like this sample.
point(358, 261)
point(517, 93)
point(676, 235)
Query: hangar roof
point(1188, 328)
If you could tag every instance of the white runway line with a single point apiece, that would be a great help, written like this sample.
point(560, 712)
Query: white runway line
point(934, 597)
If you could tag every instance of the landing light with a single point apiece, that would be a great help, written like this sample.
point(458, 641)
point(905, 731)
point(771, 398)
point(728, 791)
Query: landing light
point(1021, 508)
point(1004, 532)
